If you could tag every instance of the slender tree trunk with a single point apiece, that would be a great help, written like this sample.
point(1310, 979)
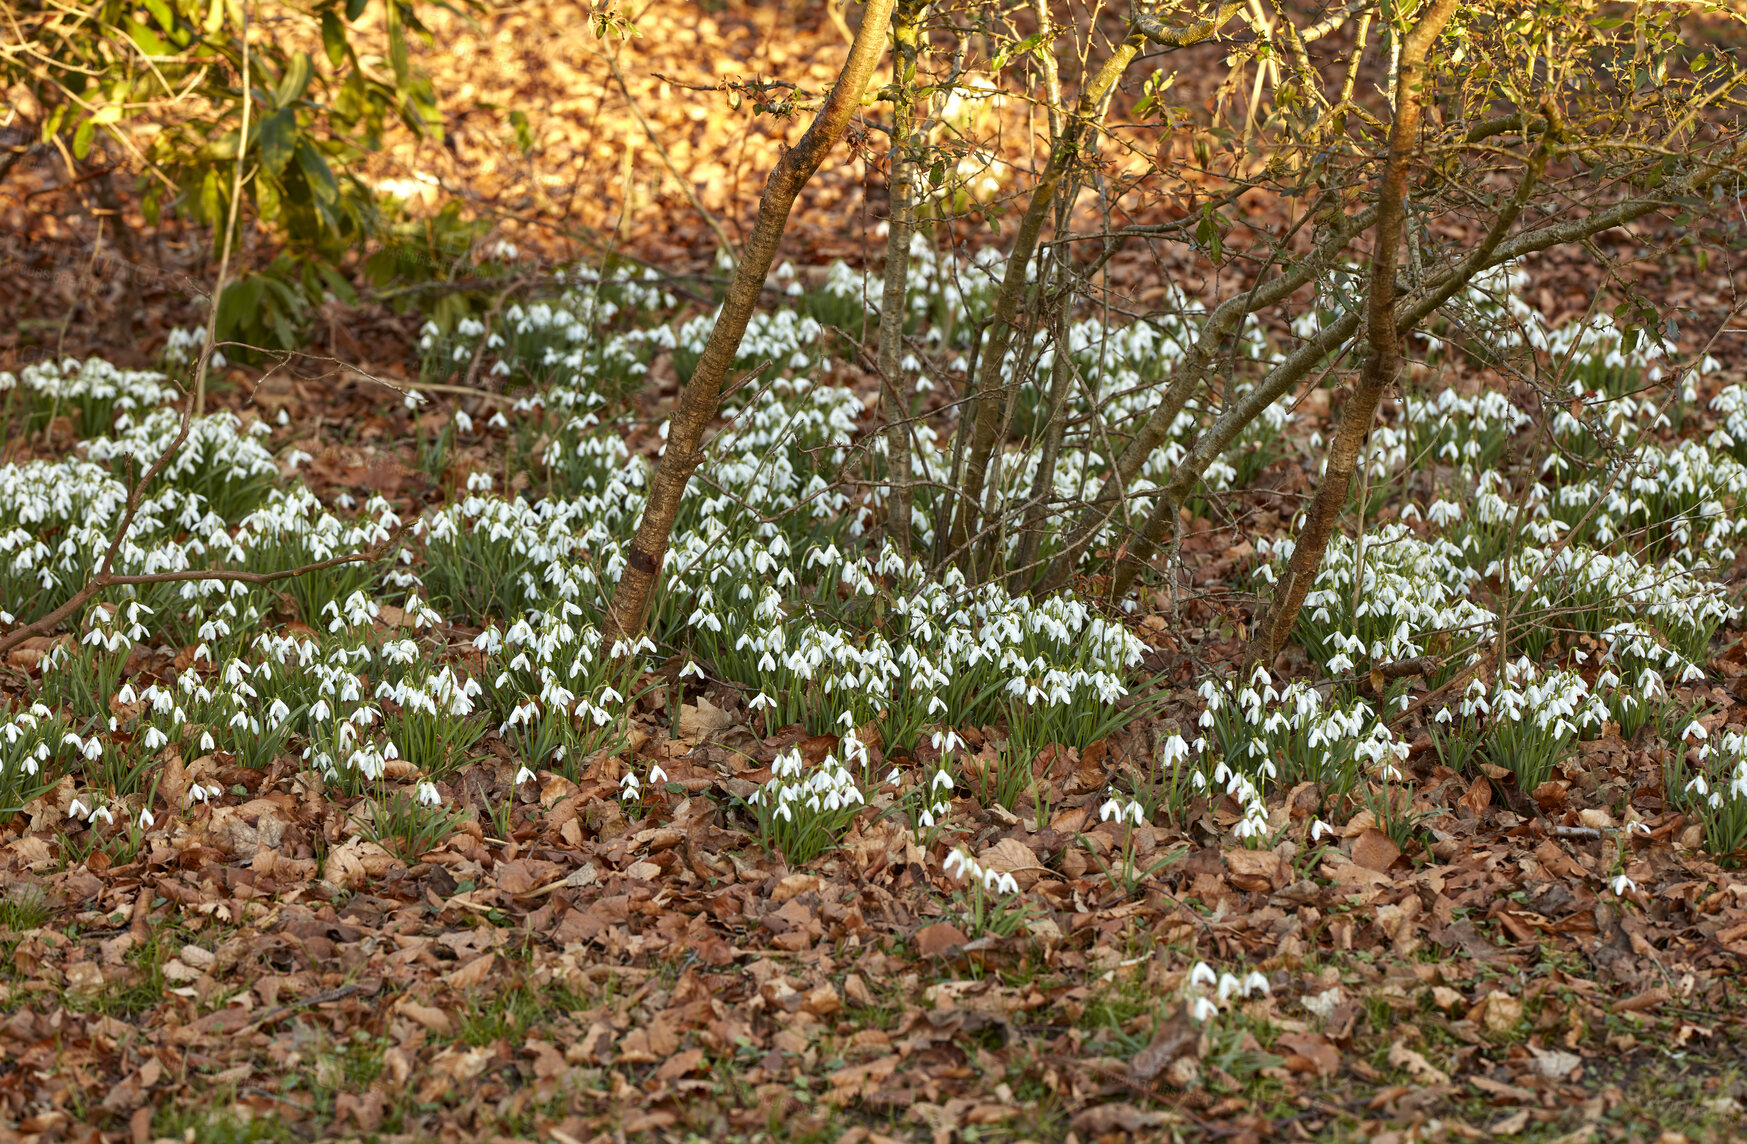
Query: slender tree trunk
point(907, 45)
point(1055, 429)
point(991, 404)
point(1383, 351)
point(699, 398)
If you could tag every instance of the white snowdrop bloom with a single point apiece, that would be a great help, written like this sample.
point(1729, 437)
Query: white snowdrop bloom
point(428, 795)
point(657, 775)
point(944, 741)
point(1623, 885)
point(1694, 730)
point(1201, 975)
point(77, 809)
point(1130, 811)
point(1256, 982)
point(147, 820)
point(1201, 1010)
point(524, 775)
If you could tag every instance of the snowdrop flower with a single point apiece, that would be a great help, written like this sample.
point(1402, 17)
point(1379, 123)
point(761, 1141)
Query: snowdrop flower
point(428, 795)
point(1201, 1010)
point(524, 775)
point(691, 669)
point(77, 809)
point(1694, 731)
point(963, 865)
point(203, 792)
point(206, 743)
point(944, 741)
point(1112, 809)
point(1622, 885)
point(760, 701)
point(103, 813)
point(1202, 974)
point(1320, 828)
point(147, 819)
point(1256, 982)
point(1229, 986)
point(657, 775)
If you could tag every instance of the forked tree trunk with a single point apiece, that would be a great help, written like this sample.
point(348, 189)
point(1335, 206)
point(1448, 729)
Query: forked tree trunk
point(981, 427)
point(1383, 345)
point(699, 398)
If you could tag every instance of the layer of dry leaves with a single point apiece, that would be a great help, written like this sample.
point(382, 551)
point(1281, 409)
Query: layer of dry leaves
point(671, 977)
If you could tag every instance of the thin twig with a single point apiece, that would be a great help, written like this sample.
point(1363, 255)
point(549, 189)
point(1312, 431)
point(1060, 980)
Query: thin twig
point(691, 195)
point(230, 226)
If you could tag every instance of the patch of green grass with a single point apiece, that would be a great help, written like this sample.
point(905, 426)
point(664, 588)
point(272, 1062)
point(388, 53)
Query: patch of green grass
point(179, 1121)
point(507, 1015)
point(25, 907)
point(139, 986)
point(353, 1064)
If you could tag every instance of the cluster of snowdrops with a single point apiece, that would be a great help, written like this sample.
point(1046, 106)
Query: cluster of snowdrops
point(780, 586)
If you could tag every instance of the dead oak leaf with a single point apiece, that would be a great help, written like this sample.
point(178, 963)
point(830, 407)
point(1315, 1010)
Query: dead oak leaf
point(1310, 1053)
point(679, 1065)
point(1374, 850)
point(853, 1081)
point(1415, 1065)
point(473, 974)
point(939, 940)
point(649, 1043)
point(1101, 1119)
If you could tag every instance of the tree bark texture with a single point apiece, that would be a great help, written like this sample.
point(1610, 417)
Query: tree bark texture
point(1382, 360)
point(699, 399)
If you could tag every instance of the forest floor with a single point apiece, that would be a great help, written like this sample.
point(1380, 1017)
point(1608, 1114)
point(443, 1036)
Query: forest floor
point(261, 961)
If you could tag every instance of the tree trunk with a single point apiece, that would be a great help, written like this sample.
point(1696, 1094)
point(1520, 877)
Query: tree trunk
point(907, 45)
point(984, 426)
point(1383, 350)
point(699, 398)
